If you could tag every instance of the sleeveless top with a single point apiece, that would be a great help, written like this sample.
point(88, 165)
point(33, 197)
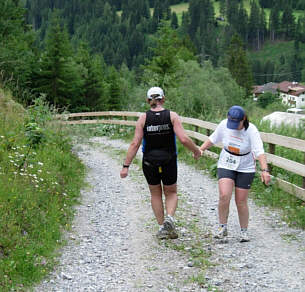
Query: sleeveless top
point(158, 132)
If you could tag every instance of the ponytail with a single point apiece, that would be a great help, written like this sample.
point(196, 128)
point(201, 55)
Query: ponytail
point(246, 122)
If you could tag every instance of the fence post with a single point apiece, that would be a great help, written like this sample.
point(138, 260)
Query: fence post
point(271, 151)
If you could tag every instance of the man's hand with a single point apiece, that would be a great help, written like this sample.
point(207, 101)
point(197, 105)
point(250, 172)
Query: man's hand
point(124, 172)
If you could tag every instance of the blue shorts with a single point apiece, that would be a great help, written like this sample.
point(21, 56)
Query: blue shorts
point(242, 180)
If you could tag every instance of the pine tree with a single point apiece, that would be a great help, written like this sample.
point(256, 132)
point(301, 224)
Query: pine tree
point(174, 21)
point(238, 65)
point(17, 52)
point(114, 89)
point(94, 96)
point(59, 76)
point(254, 26)
point(288, 23)
point(242, 22)
point(274, 22)
point(232, 8)
point(169, 49)
point(223, 8)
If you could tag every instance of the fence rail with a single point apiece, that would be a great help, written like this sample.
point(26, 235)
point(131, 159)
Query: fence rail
point(271, 139)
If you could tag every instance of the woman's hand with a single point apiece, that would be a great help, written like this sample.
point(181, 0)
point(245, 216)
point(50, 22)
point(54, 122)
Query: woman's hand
point(265, 177)
point(197, 154)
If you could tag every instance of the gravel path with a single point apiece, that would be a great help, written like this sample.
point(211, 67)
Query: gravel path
point(112, 246)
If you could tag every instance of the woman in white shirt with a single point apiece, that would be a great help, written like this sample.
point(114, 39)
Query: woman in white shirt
point(242, 144)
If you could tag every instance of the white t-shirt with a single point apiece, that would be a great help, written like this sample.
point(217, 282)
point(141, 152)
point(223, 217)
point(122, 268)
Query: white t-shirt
point(239, 142)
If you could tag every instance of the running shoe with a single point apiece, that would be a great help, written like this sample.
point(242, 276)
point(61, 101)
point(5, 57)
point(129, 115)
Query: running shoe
point(221, 233)
point(169, 225)
point(162, 233)
point(244, 236)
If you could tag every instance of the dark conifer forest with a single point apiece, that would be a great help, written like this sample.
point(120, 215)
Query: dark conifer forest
point(84, 55)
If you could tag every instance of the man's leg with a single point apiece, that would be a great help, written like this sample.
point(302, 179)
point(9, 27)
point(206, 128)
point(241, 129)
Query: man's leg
point(171, 202)
point(157, 203)
point(171, 199)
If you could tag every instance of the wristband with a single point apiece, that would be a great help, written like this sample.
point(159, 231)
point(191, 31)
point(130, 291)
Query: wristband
point(125, 166)
point(266, 170)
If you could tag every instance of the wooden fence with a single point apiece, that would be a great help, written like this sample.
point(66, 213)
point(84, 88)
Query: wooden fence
point(273, 140)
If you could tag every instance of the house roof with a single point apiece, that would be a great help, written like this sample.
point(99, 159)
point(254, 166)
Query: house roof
point(268, 87)
point(292, 88)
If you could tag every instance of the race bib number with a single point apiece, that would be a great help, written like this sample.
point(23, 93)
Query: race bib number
point(229, 161)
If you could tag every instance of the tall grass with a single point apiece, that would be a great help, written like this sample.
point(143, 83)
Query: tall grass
point(40, 181)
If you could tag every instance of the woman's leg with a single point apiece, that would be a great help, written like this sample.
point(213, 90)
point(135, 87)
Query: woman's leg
point(156, 202)
point(241, 200)
point(225, 186)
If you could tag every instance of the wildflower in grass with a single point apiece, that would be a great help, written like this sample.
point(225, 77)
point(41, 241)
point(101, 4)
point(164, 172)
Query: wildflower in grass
point(2, 137)
point(40, 163)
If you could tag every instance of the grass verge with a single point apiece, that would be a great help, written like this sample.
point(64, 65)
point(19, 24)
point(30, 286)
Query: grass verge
point(40, 181)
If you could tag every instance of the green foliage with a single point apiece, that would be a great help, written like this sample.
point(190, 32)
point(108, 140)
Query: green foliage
point(165, 62)
point(34, 134)
point(292, 209)
point(93, 73)
point(203, 92)
point(265, 99)
point(59, 76)
point(238, 65)
point(16, 53)
point(38, 188)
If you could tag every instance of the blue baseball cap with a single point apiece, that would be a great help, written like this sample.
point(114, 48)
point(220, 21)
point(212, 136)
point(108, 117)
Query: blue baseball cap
point(235, 114)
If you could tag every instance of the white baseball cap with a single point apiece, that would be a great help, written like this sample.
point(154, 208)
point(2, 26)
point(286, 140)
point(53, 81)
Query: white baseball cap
point(155, 92)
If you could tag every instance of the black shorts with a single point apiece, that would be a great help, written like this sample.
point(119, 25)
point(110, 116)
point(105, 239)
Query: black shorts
point(167, 173)
point(242, 180)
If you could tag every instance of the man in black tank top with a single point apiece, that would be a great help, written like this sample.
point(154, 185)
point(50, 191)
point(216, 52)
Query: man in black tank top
point(158, 129)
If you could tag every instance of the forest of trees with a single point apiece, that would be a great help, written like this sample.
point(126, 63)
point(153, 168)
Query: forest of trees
point(99, 55)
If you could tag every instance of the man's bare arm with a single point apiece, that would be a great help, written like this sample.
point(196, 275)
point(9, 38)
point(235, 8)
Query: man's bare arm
point(134, 146)
point(182, 136)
